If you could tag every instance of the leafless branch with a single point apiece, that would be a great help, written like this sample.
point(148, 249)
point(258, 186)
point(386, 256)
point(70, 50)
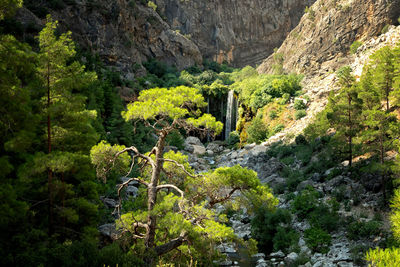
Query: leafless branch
point(159, 187)
point(181, 166)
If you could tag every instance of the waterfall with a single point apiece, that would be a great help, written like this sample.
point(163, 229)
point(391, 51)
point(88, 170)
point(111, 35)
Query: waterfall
point(229, 114)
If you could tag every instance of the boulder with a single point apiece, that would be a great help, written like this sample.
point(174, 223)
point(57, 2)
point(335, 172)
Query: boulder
point(274, 180)
point(257, 150)
point(278, 254)
point(214, 147)
point(199, 150)
point(109, 202)
point(191, 140)
point(109, 231)
point(291, 258)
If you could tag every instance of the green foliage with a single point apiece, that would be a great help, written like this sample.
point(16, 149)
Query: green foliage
point(103, 156)
point(359, 229)
point(257, 131)
point(152, 5)
point(299, 104)
point(300, 114)
point(8, 7)
point(354, 46)
point(384, 257)
point(267, 228)
point(175, 139)
point(317, 240)
point(305, 202)
point(234, 138)
point(256, 90)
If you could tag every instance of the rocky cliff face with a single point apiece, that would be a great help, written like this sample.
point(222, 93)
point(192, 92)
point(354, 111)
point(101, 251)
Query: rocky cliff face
point(123, 33)
point(326, 32)
point(239, 32)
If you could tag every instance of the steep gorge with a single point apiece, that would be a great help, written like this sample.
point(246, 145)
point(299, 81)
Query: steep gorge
point(239, 32)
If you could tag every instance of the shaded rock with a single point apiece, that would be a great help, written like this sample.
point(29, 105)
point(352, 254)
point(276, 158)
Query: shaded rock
point(291, 258)
point(109, 202)
point(109, 231)
point(274, 180)
point(278, 254)
point(304, 184)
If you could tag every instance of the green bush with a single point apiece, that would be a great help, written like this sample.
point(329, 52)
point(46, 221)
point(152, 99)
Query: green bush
point(285, 239)
point(354, 46)
point(358, 229)
point(267, 228)
point(278, 128)
point(257, 131)
point(317, 240)
point(305, 202)
point(325, 218)
point(272, 114)
point(299, 104)
point(152, 5)
point(301, 140)
point(385, 29)
point(233, 139)
point(300, 114)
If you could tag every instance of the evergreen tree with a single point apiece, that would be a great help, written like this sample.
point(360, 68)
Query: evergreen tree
point(70, 134)
point(175, 208)
point(345, 110)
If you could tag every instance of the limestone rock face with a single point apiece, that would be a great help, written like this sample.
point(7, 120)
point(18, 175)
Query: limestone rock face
point(124, 34)
point(241, 32)
point(326, 32)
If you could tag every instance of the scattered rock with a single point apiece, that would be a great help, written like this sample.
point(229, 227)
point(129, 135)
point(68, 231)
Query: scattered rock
point(278, 254)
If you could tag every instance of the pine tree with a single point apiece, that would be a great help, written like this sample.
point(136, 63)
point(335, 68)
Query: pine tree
point(70, 134)
point(175, 212)
point(345, 110)
point(381, 127)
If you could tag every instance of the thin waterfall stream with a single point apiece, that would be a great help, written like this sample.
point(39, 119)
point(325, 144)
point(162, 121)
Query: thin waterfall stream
point(229, 113)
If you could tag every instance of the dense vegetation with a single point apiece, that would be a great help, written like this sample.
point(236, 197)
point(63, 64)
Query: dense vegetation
point(63, 123)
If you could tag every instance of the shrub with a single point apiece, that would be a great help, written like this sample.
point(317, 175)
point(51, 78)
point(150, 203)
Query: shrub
point(285, 238)
point(299, 104)
point(317, 240)
point(354, 46)
point(257, 131)
point(325, 218)
point(278, 128)
point(358, 229)
point(272, 114)
point(234, 138)
point(385, 29)
point(301, 140)
point(305, 202)
point(267, 229)
point(300, 114)
point(152, 5)
point(384, 257)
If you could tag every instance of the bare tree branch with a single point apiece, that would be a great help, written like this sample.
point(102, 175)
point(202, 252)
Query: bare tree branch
point(182, 167)
point(136, 151)
point(159, 187)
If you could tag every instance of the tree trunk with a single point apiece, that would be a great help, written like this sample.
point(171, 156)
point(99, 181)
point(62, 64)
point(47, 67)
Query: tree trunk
point(350, 133)
point(49, 172)
point(152, 192)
